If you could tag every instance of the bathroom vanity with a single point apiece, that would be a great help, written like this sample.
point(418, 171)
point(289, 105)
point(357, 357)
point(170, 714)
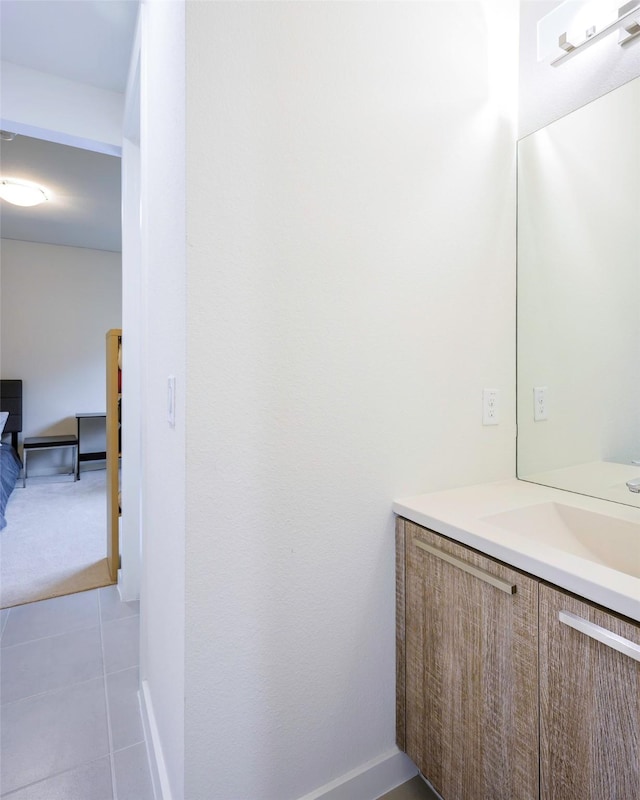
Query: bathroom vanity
point(518, 643)
point(518, 602)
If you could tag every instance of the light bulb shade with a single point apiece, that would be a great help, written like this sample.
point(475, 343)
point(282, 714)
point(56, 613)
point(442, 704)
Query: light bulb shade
point(22, 193)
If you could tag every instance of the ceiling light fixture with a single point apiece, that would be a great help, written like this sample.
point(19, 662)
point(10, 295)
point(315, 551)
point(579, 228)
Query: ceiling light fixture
point(22, 193)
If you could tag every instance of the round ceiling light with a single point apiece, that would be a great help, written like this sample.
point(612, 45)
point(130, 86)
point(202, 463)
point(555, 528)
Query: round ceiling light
point(22, 193)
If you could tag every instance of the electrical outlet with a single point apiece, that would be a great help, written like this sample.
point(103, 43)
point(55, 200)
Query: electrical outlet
point(540, 403)
point(490, 406)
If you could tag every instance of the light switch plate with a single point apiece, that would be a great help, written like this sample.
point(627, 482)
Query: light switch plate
point(171, 401)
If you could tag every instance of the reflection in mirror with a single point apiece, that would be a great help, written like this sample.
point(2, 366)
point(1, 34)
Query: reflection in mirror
point(579, 300)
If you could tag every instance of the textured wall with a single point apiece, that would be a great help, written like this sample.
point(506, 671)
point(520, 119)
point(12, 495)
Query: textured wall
point(351, 290)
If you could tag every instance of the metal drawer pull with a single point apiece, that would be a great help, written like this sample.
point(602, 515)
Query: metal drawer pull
point(487, 577)
point(619, 643)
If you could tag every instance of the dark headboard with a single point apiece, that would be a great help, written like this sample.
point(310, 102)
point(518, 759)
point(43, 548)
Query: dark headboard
point(11, 401)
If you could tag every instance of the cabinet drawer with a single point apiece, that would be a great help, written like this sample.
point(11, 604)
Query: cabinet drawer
point(470, 670)
point(589, 701)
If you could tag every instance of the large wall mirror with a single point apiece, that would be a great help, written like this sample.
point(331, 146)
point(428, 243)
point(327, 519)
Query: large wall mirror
point(578, 381)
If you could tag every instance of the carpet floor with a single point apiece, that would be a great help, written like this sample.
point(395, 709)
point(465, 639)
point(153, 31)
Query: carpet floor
point(55, 541)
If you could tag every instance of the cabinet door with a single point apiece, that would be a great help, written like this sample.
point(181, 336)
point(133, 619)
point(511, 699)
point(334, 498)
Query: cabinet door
point(471, 671)
point(590, 702)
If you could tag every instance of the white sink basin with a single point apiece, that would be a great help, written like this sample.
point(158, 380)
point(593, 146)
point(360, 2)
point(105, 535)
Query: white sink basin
point(610, 541)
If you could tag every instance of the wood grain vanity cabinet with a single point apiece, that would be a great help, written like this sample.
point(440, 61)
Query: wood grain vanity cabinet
point(589, 701)
point(468, 669)
point(508, 688)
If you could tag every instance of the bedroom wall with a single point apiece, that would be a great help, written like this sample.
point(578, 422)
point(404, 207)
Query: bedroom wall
point(350, 291)
point(57, 304)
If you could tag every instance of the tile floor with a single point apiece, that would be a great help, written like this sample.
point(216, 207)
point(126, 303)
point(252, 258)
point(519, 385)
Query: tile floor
point(70, 726)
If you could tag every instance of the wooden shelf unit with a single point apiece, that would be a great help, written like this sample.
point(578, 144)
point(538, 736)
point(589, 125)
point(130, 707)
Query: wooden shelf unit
point(114, 443)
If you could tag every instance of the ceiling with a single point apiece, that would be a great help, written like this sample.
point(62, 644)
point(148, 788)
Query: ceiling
point(89, 42)
point(84, 205)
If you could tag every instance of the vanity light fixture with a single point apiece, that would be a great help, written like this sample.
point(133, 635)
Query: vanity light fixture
point(628, 23)
point(630, 29)
point(22, 193)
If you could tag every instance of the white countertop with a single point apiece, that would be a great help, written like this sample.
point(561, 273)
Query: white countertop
point(459, 513)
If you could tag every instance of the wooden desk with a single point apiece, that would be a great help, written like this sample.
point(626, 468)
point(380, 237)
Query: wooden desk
point(88, 455)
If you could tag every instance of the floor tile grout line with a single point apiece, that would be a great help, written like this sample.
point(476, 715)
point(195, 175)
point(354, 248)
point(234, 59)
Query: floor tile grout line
point(123, 616)
point(96, 589)
point(53, 775)
point(37, 638)
point(114, 787)
point(6, 619)
point(102, 671)
point(130, 746)
point(64, 688)
point(124, 669)
point(64, 633)
point(101, 677)
point(51, 636)
point(118, 619)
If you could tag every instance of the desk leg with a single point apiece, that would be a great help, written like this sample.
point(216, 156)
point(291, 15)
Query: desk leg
point(77, 473)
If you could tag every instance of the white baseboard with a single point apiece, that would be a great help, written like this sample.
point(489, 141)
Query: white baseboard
point(369, 781)
point(124, 597)
point(159, 775)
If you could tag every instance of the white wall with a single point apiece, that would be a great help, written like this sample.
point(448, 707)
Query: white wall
point(162, 342)
point(59, 110)
point(350, 291)
point(57, 305)
point(132, 465)
point(548, 93)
